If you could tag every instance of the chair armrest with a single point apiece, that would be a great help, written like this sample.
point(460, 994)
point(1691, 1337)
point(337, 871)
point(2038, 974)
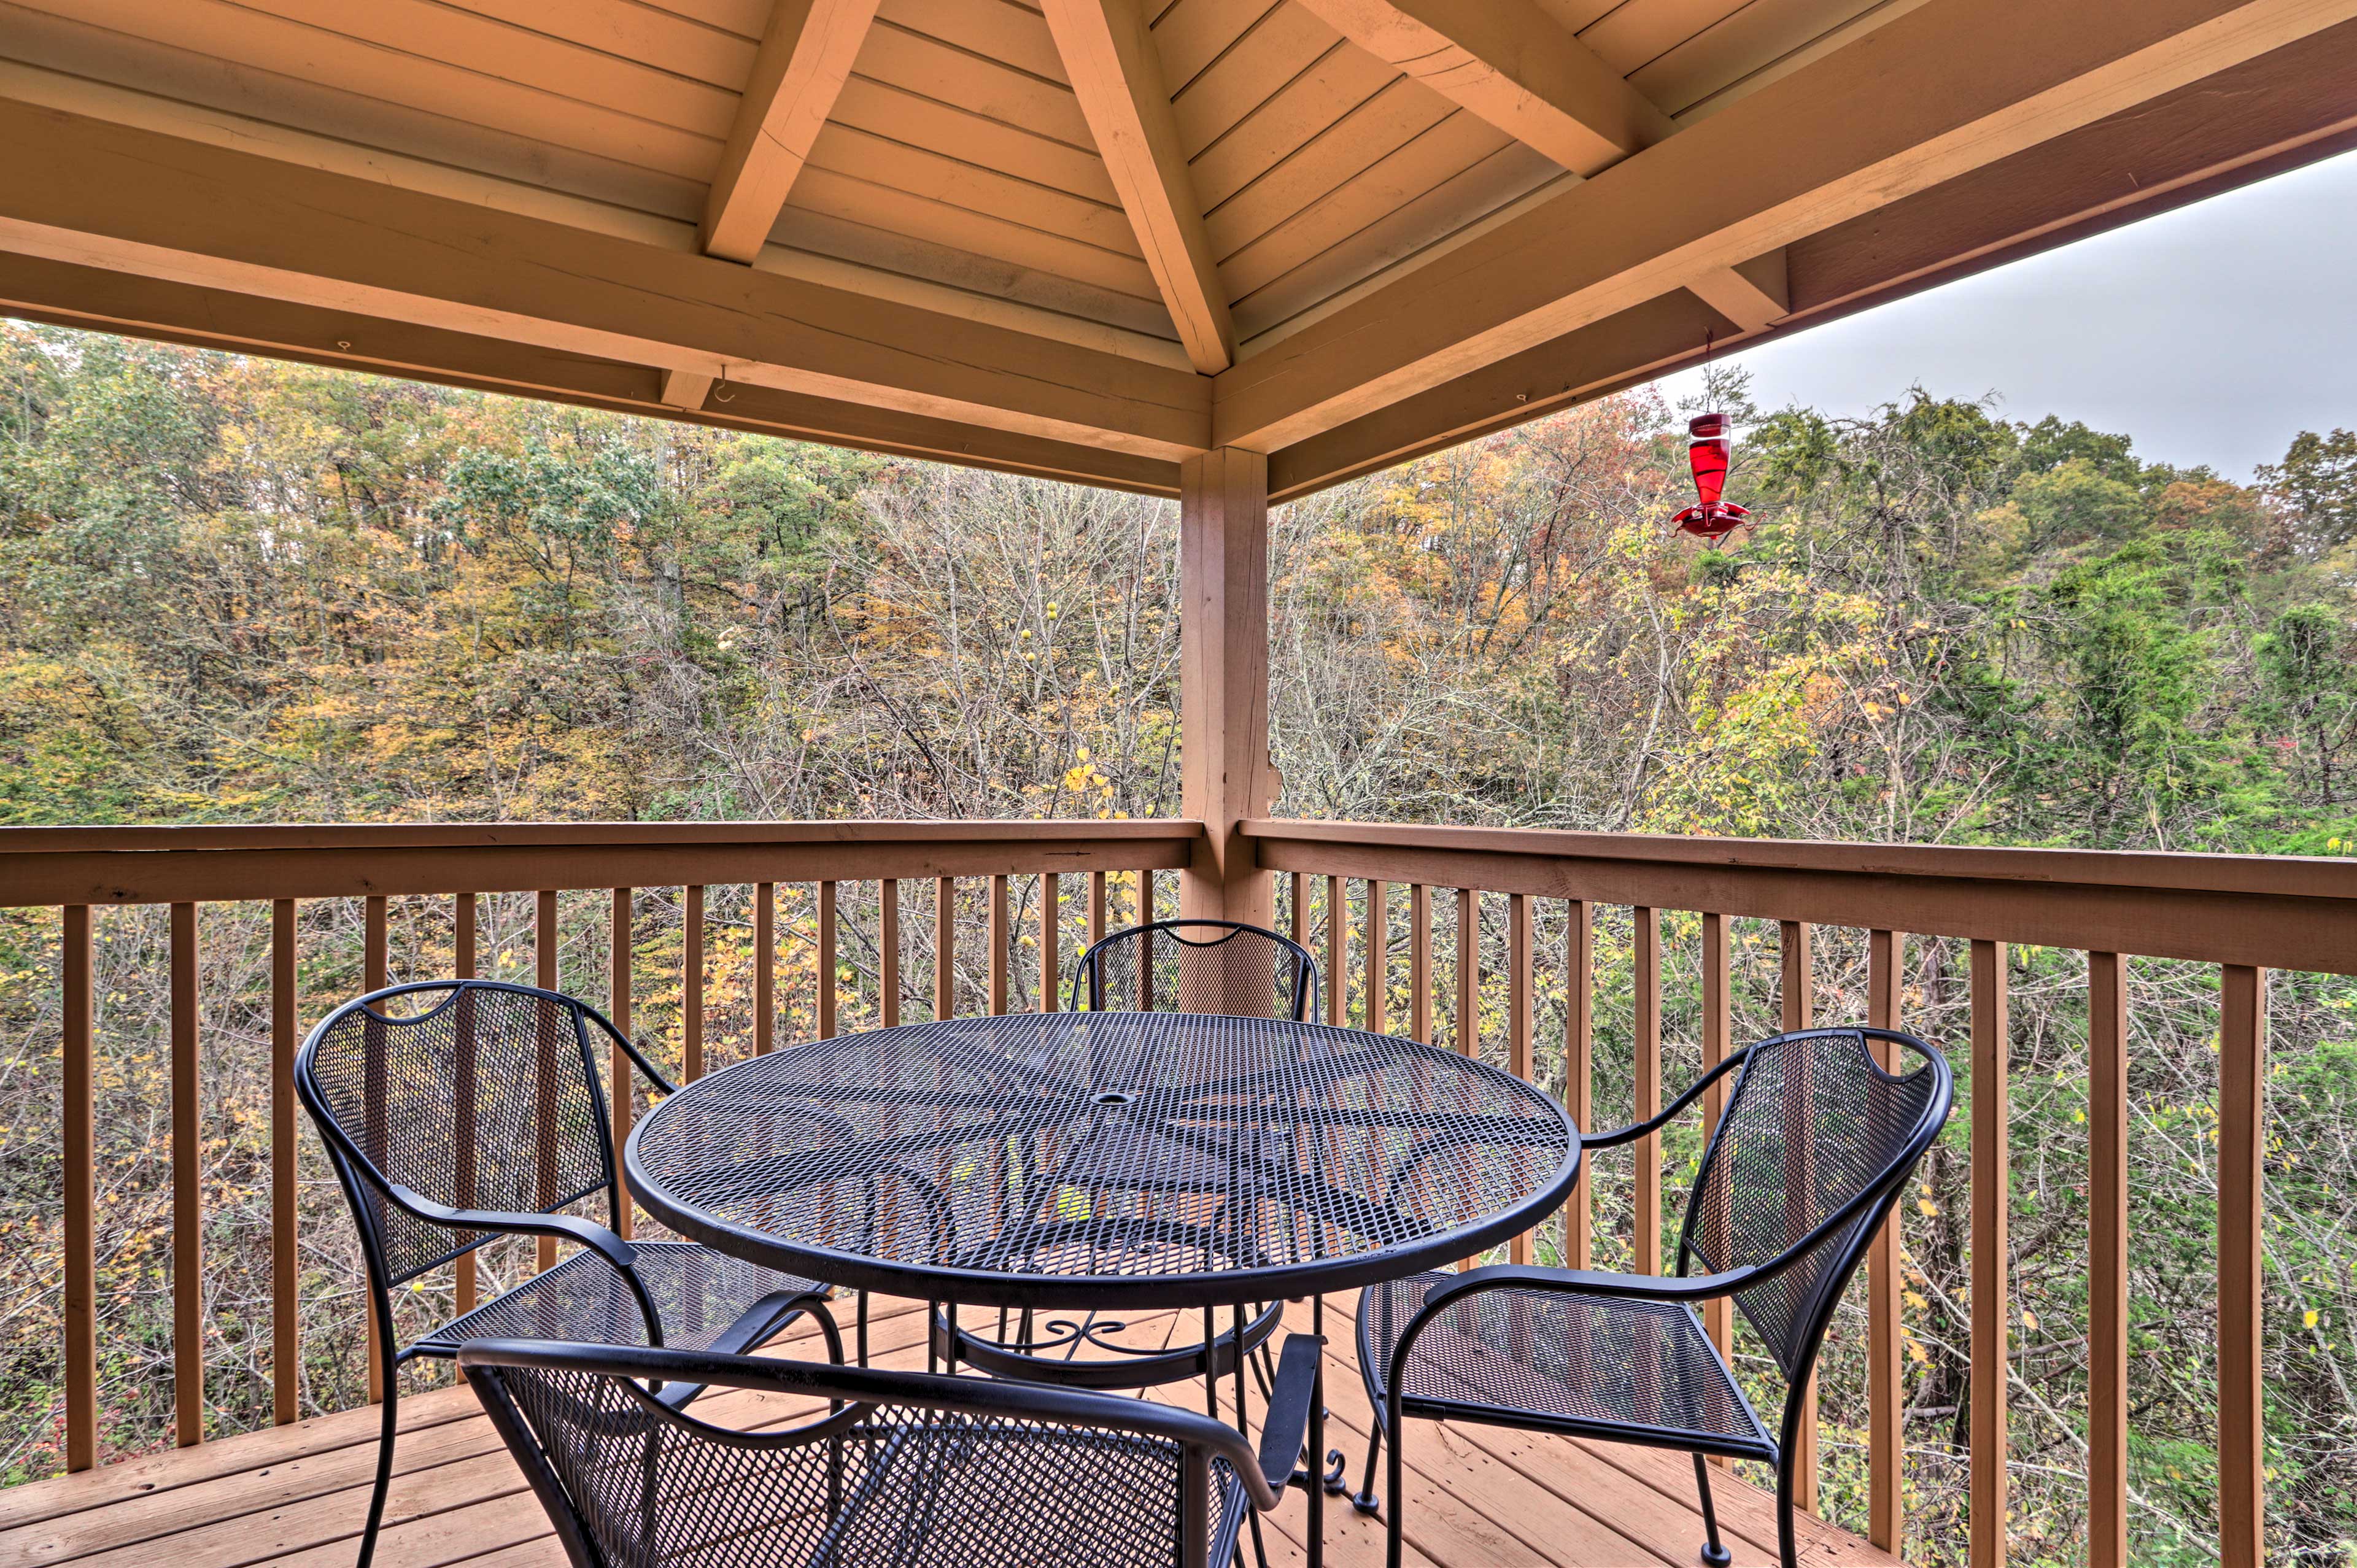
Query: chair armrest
point(1284, 1425)
point(587, 1232)
point(1693, 1091)
point(1589, 1282)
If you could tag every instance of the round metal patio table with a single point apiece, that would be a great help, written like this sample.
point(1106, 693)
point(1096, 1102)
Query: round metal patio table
point(1109, 1161)
point(1105, 1160)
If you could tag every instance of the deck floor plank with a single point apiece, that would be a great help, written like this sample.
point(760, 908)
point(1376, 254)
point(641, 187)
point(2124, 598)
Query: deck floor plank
point(1478, 1497)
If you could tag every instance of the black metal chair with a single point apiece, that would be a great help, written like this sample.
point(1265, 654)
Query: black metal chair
point(1189, 966)
point(1198, 966)
point(1815, 1145)
point(482, 1116)
point(904, 1468)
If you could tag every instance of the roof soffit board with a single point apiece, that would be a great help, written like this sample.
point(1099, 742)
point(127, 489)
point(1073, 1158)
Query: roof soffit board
point(142, 202)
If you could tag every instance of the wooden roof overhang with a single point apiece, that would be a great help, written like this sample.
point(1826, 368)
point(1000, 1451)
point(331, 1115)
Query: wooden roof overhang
point(1091, 239)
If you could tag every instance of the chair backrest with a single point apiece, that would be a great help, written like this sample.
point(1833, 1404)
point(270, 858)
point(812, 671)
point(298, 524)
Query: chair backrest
point(980, 1472)
point(1813, 1127)
point(477, 1095)
point(1198, 966)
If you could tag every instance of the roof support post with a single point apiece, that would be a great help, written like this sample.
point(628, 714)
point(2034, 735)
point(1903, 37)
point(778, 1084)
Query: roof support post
point(1224, 680)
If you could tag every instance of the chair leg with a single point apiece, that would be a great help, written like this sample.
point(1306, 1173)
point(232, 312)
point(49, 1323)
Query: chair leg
point(1713, 1552)
point(1788, 1544)
point(1366, 1500)
point(1394, 1542)
point(383, 1466)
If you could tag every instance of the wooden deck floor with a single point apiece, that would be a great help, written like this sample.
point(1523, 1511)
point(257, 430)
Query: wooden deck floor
point(1478, 1497)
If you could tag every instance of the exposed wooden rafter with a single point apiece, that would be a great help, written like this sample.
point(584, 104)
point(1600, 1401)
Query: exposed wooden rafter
point(686, 389)
point(804, 59)
point(1948, 88)
point(1509, 62)
point(1109, 57)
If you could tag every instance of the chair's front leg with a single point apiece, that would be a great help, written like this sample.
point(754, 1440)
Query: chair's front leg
point(1394, 1475)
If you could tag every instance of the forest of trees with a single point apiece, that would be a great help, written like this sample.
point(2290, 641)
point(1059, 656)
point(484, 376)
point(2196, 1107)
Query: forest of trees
point(243, 591)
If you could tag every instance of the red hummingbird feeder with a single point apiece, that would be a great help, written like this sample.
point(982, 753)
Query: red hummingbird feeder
point(1707, 450)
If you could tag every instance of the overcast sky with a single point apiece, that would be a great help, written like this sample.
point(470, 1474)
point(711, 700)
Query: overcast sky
point(2210, 335)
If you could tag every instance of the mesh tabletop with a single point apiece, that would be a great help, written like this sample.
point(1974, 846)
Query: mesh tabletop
point(1106, 1159)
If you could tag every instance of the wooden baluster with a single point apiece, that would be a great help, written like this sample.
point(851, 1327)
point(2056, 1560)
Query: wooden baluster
point(826, 978)
point(1419, 961)
point(691, 986)
point(945, 947)
point(624, 1076)
point(1518, 1020)
point(285, 1345)
point(998, 922)
point(1798, 956)
point(188, 1198)
point(2107, 1260)
point(765, 968)
point(1992, 1289)
point(80, 1016)
point(2242, 1140)
point(1468, 972)
point(1717, 1028)
point(545, 939)
point(462, 942)
point(1146, 943)
point(1647, 1240)
point(888, 980)
point(1886, 955)
point(373, 967)
point(1469, 986)
point(1378, 956)
point(1052, 966)
point(1338, 947)
point(1096, 907)
point(1578, 1069)
point(1300, 885)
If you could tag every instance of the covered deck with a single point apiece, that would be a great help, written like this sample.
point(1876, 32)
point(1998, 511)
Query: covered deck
point(1231, 252)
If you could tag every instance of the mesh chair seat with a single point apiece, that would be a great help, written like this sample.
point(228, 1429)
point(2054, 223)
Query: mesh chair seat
point(1595, 1363)
point(704, 1300)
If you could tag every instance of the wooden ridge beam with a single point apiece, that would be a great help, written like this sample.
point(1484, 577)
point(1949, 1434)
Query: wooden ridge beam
point(804, 59)
point(1118, 77)
point(138, 201)
point(1951, 87)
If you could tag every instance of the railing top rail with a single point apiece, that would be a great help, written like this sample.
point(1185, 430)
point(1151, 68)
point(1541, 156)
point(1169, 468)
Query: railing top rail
point(489, 835)
point(2305, 876)
point(2276, 912)
point(71, 866)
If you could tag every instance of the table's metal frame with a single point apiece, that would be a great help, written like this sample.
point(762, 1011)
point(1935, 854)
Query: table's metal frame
point(945, 1289)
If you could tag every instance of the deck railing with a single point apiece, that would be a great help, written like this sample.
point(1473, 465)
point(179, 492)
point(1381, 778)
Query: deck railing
point(2243, 914)
point(1339, 887)
point(78, 871)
